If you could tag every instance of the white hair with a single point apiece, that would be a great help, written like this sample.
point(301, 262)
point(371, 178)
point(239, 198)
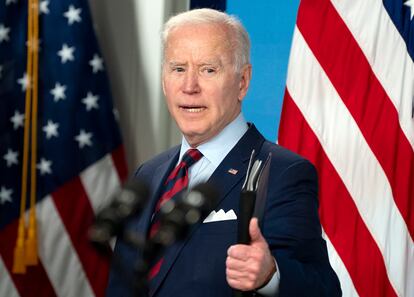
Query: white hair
point(239, 38)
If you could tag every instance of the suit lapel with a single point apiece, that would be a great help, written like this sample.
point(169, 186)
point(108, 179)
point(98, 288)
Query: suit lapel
point(237, 159)
point(224, 181)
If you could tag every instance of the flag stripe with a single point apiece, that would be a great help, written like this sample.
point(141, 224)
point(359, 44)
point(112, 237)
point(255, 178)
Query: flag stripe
point(77, 217)
point(57, 252)
point(347, 286)
point(350, 73)
point(99, 181)
point(118, 158)
point(366, 268)
point(35, 279)
point(386, 52)
point(344, 145)
point(7, 287)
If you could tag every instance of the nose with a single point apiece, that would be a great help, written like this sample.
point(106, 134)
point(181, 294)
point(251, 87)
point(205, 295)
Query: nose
point(191, 84)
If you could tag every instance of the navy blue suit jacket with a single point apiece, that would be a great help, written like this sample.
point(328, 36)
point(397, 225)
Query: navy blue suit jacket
point(196, 266)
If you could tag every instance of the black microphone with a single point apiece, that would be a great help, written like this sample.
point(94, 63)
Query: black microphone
point(126, 202)
point(177, 217)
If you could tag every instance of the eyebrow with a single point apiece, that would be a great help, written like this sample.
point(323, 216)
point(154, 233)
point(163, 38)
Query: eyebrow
point(216, 62)
point(174, 63)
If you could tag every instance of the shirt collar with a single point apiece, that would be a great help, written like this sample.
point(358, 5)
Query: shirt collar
point(217, 148)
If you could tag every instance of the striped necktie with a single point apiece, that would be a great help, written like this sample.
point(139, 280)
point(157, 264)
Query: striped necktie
point(176, 182)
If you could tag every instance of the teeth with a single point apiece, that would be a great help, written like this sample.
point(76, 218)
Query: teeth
point(199, 109)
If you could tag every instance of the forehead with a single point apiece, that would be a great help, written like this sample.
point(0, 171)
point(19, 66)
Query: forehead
point(198, 41)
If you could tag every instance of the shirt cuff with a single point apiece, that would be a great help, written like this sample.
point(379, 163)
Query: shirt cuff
point(272, 287)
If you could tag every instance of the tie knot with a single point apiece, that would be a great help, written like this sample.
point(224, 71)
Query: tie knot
point(190, 157)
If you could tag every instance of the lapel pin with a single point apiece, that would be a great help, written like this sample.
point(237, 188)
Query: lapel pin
point(232, 171)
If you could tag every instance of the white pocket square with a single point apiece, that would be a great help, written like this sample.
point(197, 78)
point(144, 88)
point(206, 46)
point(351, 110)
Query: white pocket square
point(220, 216)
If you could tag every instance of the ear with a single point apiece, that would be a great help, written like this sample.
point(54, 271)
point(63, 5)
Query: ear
point(245, 76)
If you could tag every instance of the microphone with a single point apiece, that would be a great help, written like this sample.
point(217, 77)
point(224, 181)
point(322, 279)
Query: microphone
point(125, 203)
point(176, 220)
point(177, 217)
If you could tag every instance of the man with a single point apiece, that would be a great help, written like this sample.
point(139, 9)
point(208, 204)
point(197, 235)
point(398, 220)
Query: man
point(206, 74)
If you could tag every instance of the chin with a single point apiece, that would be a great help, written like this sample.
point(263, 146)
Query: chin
point(194, 138)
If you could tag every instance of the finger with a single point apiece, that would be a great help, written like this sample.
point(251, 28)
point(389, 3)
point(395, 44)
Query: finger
point(240, 283)
point(235, 283)
point(236, 274)
point(239, 252)
point(254, 231)
point(236, 264)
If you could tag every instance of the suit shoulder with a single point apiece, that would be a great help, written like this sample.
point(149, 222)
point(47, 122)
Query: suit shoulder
point(282, 157)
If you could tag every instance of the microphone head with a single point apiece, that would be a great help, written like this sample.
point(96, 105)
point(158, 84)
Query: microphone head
point(177, 217)
point(125, 203)
point(202, 196)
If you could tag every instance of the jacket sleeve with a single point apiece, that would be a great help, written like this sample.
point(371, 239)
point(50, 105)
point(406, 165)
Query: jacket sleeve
point(292, 228)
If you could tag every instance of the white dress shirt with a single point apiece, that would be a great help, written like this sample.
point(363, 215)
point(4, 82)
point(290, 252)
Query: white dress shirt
point(214, 151)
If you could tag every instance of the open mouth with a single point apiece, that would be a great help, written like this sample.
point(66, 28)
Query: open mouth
point(193, 109)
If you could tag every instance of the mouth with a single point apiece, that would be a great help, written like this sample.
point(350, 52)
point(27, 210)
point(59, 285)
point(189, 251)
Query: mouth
point(192, 108)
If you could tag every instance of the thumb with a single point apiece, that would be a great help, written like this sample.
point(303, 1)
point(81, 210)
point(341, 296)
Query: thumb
point(254, 231)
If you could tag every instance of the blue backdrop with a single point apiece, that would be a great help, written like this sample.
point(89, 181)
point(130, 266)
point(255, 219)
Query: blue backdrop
point(270, 25)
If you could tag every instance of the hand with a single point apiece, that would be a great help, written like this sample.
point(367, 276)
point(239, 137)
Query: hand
point(249, 267)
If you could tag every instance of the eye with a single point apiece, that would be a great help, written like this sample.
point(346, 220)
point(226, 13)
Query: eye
point(178, 69)
point(208, 70)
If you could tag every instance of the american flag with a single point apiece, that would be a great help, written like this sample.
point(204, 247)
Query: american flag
point(80, 154)
point(348, 107)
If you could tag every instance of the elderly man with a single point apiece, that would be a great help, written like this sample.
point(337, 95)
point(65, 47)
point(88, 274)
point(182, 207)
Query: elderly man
point(206, 74)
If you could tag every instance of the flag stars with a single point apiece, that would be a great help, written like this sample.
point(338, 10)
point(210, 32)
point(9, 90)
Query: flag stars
point(51, 129)
point(11, 158)
point(91, 101)
point(84, 138)
point(4, 33)
point(96, 64)
point(5, 195)
point(410, 4)
point(66, 53)
point(58, 92)
point(44, 166)
point(24, 81)
point(73, 15)
point(17, 119)
point(44, 7)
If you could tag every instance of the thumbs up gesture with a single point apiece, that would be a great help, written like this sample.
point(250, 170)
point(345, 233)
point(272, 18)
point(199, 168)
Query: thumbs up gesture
point(249, 267)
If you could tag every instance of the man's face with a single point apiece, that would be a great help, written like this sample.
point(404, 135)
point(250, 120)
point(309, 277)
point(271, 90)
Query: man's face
point(203, 91)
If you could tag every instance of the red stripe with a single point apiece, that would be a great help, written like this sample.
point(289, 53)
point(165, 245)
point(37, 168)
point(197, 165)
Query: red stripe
point(155, 269)
point(118, 157)
point(35, 279)
point(339, 215)
point(76, 212)
point(154, 228)
point(349, 71)
point(195, 156)
point(179, 185)
point(174, 173)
